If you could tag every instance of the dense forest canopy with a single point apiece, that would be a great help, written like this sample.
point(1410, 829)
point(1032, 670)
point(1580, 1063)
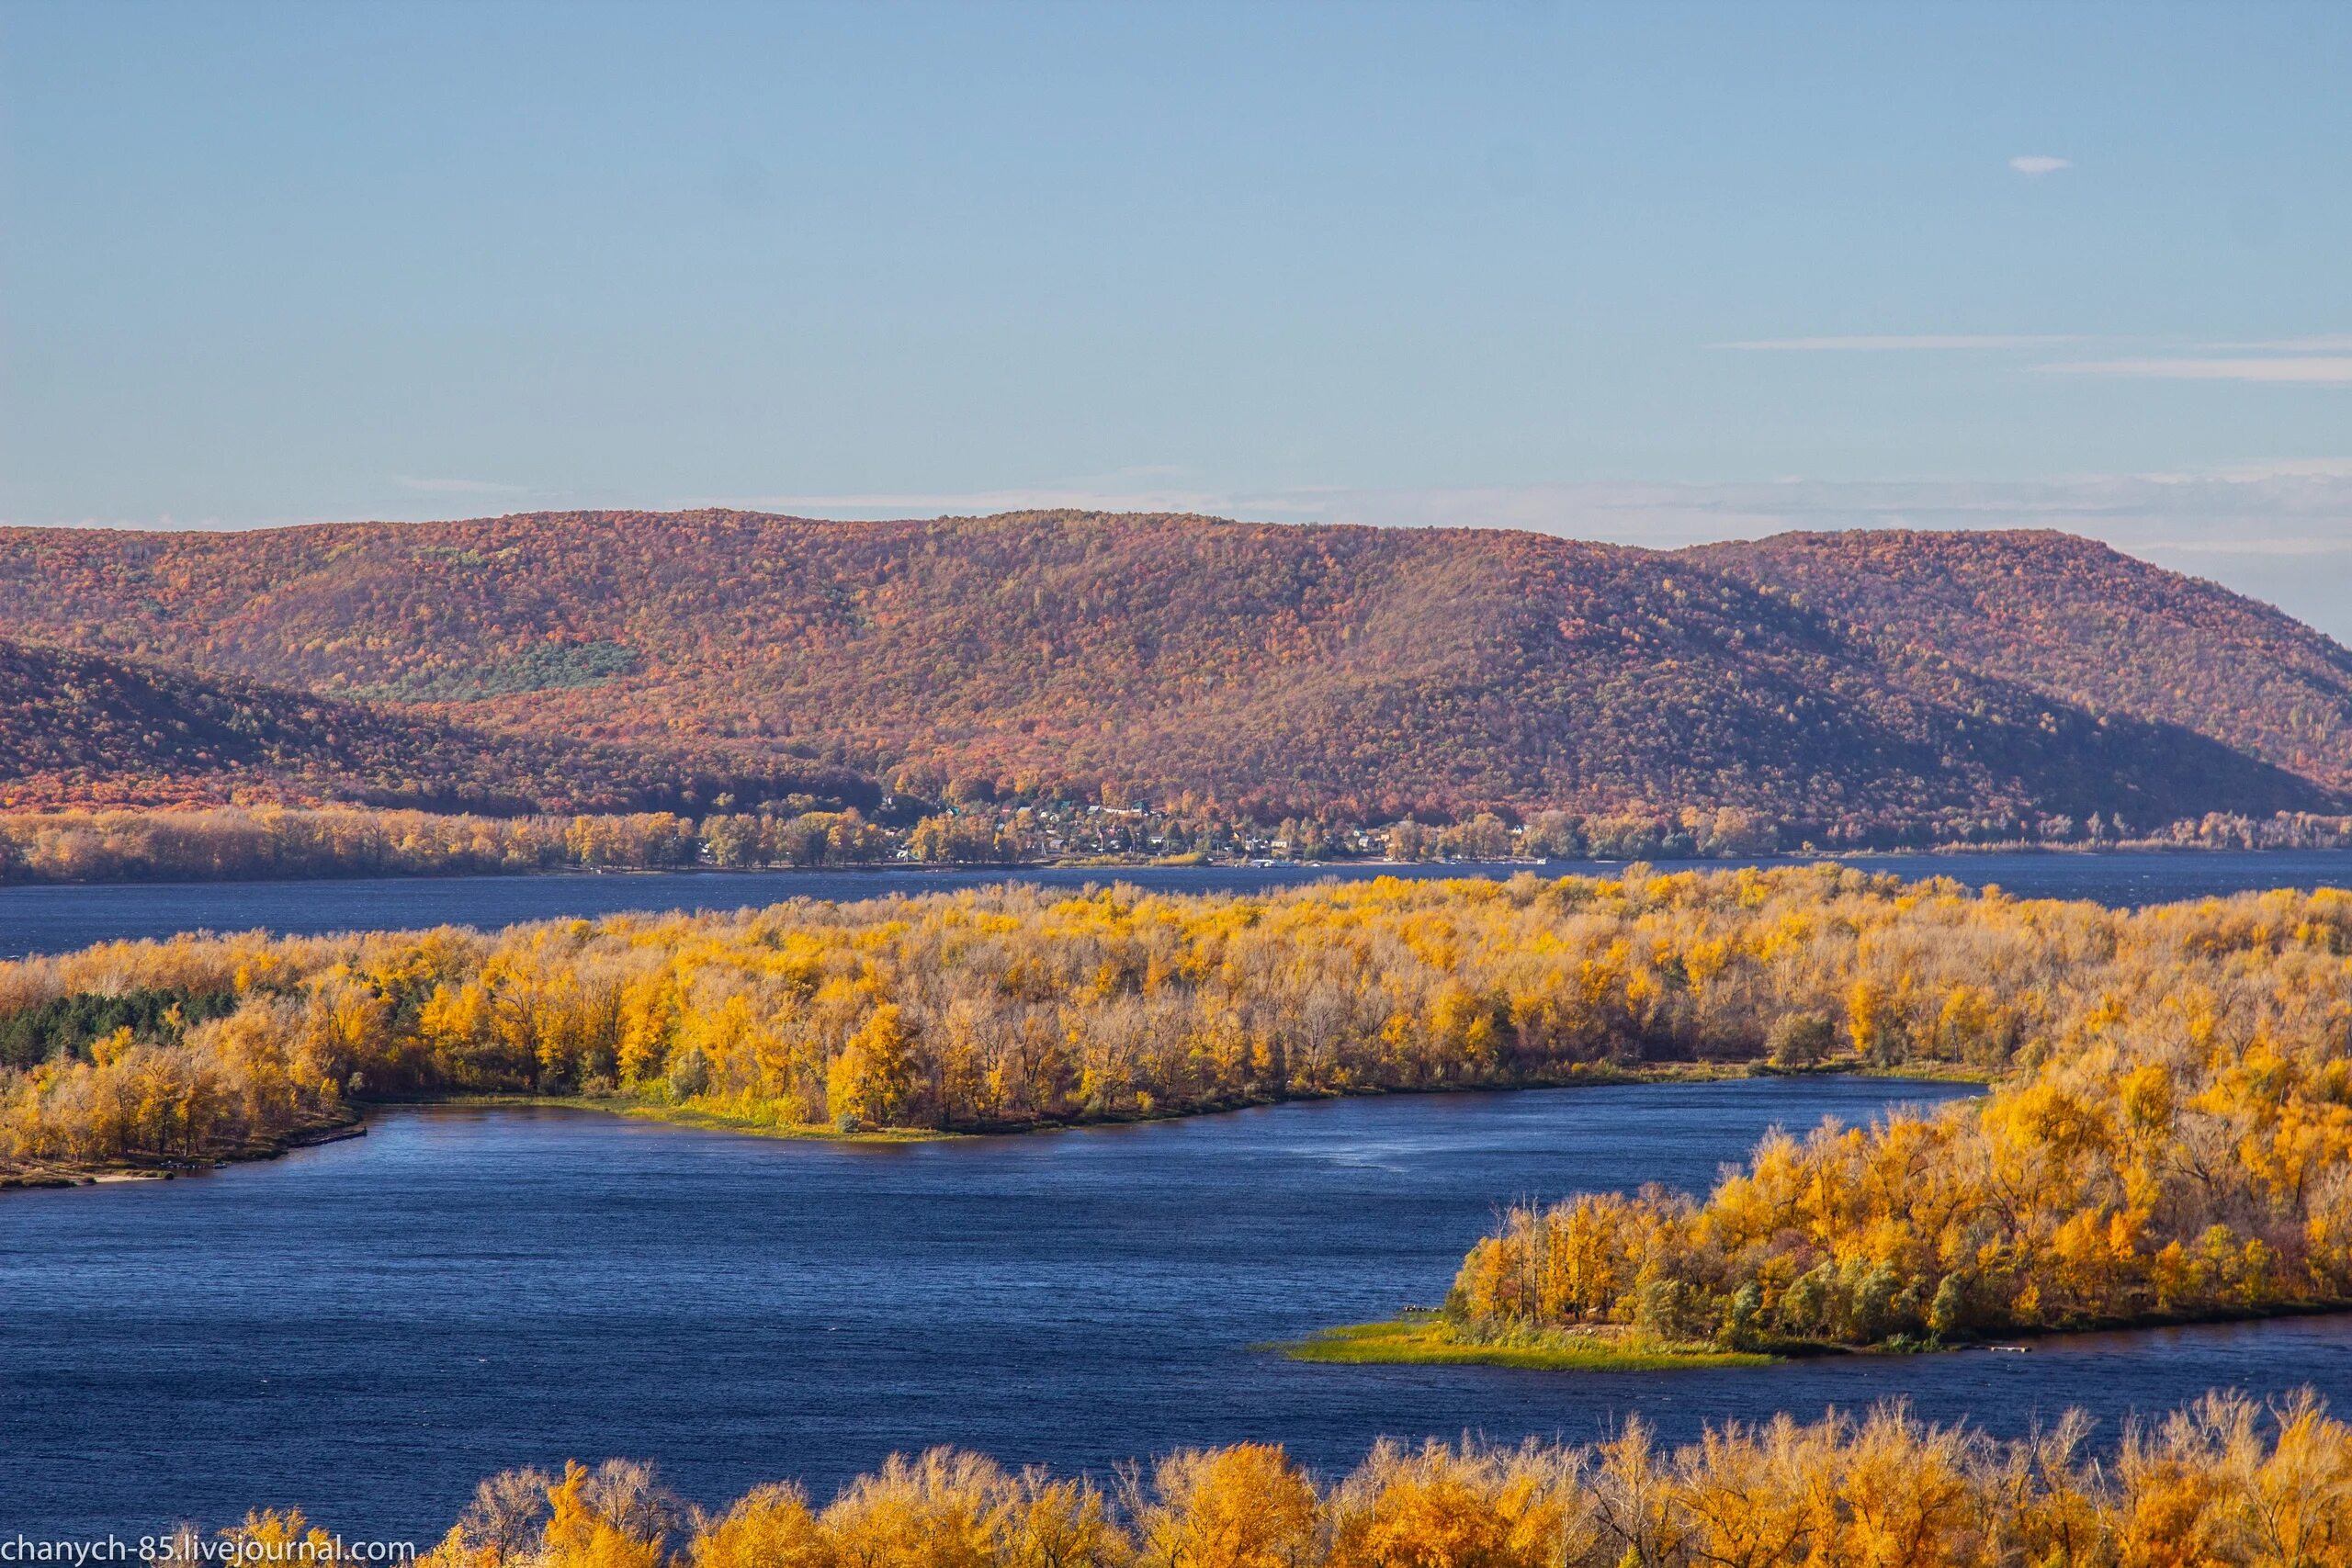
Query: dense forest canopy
point(1342, 673)
point(83, 730)
point(2083, 623)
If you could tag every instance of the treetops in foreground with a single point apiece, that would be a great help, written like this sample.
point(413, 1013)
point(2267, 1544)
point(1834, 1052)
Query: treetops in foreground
point(2222, 1484)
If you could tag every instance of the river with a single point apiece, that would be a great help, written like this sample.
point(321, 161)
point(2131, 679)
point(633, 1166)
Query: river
point(368, 1327)
point(53, 919)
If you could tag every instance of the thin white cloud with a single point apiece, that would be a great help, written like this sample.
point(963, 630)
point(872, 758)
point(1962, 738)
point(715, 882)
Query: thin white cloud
point(1143, 487)
point(457, 487)
point(2200, 360)
point(2297, 547)
point(2033, 166)
point(2324, 343)
point(2277, 469)
point(1897, 343)
point(2314, 371)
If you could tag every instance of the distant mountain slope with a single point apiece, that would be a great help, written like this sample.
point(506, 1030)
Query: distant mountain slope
point(2084, 624)
point(81, 729)
point(1277, 667)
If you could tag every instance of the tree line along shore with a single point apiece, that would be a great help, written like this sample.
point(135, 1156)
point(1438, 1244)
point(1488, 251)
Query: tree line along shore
point(2169, 1135)
point(262, 842)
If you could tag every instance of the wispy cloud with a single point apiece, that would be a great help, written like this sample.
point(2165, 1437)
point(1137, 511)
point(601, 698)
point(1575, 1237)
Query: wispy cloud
point(1896, 342)
point(2309, 370)
point(1058, 496)
point(457, 487)
point(2318, 360)
point(1149, 488)
point(2033, 166)
point(2325, 343)
point(2275, 469)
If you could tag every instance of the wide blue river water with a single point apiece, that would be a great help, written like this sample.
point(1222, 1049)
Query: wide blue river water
point(53, 919)
point(368, 1328)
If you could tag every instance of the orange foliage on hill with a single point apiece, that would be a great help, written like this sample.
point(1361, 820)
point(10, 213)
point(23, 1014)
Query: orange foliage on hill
point(84, 731)
point(1315, 671)
point(2083, 624)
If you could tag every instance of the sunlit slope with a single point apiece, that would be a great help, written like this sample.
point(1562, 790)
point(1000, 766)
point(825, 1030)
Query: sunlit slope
point(1377, 671)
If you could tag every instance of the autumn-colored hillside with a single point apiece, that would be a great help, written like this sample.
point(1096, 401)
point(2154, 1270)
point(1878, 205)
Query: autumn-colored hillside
point(1274, 668)
point(2082, 623)
point(79, 729)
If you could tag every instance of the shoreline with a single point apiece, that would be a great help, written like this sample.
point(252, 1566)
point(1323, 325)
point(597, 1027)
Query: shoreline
point(668, 1115)
point(166, 1167)
point(355, 1125)
point(1014, 869)
point(1419, 1337)
point(1429, 1341)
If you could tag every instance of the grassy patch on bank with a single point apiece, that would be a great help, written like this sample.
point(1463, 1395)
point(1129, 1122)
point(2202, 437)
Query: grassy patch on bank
point(687, 1116)
point(1431, 1341)
point(1930, 1072)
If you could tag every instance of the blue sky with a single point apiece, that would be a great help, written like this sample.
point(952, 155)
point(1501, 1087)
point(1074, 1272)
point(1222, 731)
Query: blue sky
point(2073, 265)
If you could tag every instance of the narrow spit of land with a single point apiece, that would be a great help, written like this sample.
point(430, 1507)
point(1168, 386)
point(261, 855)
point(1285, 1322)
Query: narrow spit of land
point(1429, 1339)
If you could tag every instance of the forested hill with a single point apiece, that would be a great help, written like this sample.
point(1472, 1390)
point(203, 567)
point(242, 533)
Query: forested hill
point(1273, 669)
point(2084, 624)
point(81, 729)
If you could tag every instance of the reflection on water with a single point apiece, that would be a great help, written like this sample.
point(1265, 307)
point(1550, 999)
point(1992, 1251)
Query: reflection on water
point(368, 1328)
